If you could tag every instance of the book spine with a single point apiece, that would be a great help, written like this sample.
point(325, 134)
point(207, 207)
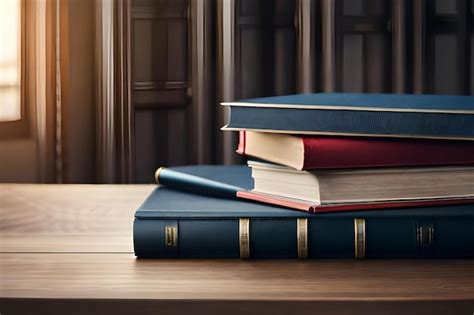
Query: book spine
point(353, 122)
point(305, 238)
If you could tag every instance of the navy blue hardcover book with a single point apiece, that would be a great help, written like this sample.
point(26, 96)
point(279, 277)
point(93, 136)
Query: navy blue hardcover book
point(173, 223)
point(356, 114)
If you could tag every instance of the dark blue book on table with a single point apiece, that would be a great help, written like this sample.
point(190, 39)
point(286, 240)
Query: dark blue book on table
point(172, 223)
point(356, 114)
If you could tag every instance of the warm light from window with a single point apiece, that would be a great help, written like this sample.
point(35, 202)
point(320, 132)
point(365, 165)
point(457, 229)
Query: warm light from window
point(10, 57)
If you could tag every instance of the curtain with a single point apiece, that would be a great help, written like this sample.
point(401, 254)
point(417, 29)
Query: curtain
point(45, 55)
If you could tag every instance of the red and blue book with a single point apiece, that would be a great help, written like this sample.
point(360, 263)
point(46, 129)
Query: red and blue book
point(320, 172)
point(370, 172)
point(353, 150)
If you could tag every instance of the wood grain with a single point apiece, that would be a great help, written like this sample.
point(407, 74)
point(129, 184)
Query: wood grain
point(68, 249)
point(123, 276)
point(69, 218)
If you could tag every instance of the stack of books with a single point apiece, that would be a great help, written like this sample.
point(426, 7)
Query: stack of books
point(329, 175)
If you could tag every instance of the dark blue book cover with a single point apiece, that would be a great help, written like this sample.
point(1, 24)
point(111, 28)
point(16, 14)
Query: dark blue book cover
point(398, 115)
point(173, 223)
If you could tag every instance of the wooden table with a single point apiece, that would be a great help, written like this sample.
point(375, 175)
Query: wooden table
point(67, 249)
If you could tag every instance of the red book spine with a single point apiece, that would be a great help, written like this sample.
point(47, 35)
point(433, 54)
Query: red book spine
point(241, 146)
point(326, 152)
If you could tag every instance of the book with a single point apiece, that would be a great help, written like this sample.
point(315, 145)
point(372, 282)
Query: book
point(321, 152)
point(364, 185)
point(180, 180)
point(173, 223)
point(357, 114)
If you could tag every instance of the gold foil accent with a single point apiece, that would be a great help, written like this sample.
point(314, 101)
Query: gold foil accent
point(171, 236)
point(244, 238)
point(302, 237)
point(424, 236)
point(157, 174)
point(359, 238)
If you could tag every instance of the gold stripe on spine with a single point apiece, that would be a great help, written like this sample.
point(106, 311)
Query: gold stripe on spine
point(171, 236)
point(430, 235)
point(359, 238)
point(424, 235)
point(244, 238)
point(157, 174)
point(302, 237)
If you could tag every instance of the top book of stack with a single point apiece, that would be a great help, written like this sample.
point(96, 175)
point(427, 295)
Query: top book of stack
point(353, 114)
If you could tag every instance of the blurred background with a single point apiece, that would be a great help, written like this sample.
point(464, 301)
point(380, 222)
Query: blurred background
point(103, 91)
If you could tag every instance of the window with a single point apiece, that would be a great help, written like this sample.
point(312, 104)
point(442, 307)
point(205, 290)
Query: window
point(10, 60)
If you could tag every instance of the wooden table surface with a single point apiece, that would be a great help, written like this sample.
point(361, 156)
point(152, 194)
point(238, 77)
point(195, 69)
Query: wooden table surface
point(68, 249)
